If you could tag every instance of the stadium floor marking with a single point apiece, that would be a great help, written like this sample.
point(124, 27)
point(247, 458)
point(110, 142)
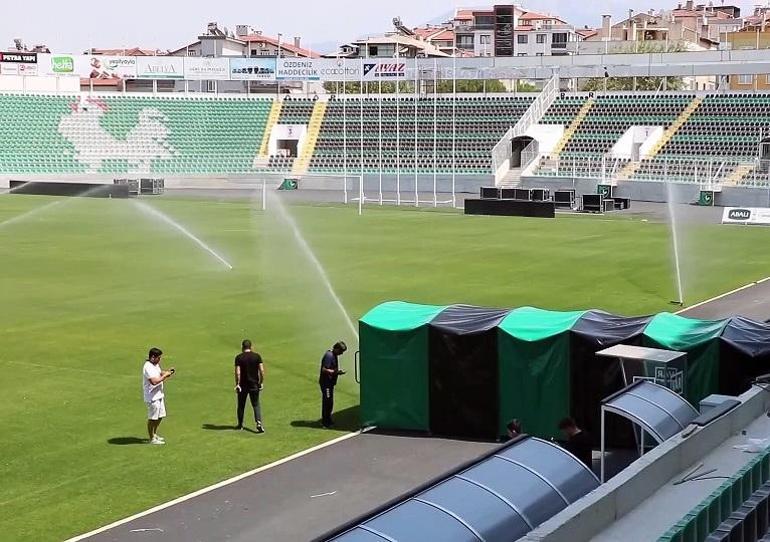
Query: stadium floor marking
point(218, 485)
point(731, 292)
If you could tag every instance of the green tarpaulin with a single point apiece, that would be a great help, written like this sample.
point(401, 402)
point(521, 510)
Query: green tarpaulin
point(394, 375)
point(534, 365)
point(535, 349)
point(696, 337)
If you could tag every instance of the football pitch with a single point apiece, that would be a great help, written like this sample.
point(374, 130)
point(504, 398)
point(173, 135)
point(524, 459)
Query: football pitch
point(87, 286)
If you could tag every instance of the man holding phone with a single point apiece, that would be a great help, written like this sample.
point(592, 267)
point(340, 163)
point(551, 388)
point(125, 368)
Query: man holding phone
point(249, 379)
point(330, 370)
point(153, 378)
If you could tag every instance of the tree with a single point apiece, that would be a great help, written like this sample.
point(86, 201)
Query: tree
point(470, 85)
point(642, 83)
point(445, 86)
point(627, 83)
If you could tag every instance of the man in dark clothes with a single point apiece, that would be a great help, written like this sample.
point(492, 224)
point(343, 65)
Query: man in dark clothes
point(249, 378)
point(578, 441)
point(330, 370)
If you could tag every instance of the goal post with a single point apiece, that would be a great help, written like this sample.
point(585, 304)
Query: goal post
point(353, 188)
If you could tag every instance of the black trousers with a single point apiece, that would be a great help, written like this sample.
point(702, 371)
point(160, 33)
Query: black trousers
point(327, 403)
point(242, 396)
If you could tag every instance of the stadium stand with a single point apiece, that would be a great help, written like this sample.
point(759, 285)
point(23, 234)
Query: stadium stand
point(716, 136)
point(47, 134)
point(202, 135)
point(604, 122)
point(481, 122)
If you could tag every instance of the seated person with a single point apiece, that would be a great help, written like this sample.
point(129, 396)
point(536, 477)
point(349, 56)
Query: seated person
point(512, 430)
point(578, 442)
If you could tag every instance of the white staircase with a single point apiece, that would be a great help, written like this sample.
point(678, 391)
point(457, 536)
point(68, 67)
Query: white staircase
point(512, 179)
point(501, 153)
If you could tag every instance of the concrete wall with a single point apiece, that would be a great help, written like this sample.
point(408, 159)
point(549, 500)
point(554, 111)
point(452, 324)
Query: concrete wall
point(597, 510)
point(656, 191)
point(466, 184)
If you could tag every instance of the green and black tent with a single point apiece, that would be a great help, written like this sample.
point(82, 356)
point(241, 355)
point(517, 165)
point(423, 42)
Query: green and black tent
point(465, 371)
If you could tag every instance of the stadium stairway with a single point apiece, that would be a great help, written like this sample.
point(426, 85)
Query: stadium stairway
point(272, 120)
point(633, 166)
point(512, 179)
point(302, 163)
point(574, 125)
point(737, 175)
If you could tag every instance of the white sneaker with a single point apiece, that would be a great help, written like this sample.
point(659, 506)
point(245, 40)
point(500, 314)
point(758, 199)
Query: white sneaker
point(157, 442)
point(160, 438)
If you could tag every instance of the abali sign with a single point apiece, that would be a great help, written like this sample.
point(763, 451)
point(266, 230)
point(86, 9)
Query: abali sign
point(384, 70)
point(746, 215)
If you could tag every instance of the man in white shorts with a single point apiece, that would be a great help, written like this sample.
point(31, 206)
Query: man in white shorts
point(152, 383)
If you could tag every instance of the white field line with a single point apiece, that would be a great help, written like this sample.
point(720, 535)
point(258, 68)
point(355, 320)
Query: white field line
point(731, 292)
point(218, 485)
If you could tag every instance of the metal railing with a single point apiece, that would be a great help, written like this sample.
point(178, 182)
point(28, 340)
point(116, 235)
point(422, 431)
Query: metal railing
point(501, 152)
point(529, 154)
point(713, 173)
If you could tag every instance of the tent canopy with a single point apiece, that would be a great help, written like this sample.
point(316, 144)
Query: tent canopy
point(748, 337)
point(400, 316)
point(532, 325)
point(535, 365)
point(675, 332)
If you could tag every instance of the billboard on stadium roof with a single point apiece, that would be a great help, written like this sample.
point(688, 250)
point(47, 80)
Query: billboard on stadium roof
point(160, 67)
point(96, 67)
point(252, 69)
point(197, 68)
point(297, 69)
point(18, 63)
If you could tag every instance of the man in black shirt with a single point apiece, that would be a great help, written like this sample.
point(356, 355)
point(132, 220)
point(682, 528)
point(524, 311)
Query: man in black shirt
point(330, 370)
point(249, 378)
point(578, 441)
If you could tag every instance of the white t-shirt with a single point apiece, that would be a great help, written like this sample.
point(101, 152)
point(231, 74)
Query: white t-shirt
point(151, 392)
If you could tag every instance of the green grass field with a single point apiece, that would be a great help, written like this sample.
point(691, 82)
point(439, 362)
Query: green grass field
point(87, 286)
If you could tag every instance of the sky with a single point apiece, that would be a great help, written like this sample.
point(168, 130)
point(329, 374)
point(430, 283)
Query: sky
point(74, 25)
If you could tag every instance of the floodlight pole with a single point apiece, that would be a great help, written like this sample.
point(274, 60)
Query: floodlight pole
point(416, 96)
point(398, 127)
point(345, 130)
point(379, 84)
point(435, 127)
point(361, 104)
point(454, 126)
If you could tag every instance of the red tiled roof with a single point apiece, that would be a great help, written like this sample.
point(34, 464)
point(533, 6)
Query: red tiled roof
point(445, 35)
point(464, 15)
point(587, 32)
point(100, 82)
point(131, 51)
point(534, 16)
point(285, 46)
point(425, 31)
